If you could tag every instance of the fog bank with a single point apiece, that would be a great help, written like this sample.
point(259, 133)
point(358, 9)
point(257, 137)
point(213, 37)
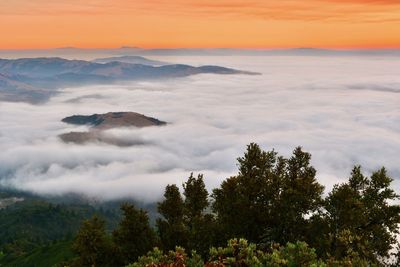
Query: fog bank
point(344, 111)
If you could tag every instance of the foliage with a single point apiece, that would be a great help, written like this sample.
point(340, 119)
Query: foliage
point(359, 218)
point(185, 221)
point(271, 201)
point(199, 224)
point(133, 237)
point(236, 253)
point(171, 227)
point(270, 198)
point(31, 226)
point(92, 244)
point(51, 254)
point(196, 195)
point(176, 258)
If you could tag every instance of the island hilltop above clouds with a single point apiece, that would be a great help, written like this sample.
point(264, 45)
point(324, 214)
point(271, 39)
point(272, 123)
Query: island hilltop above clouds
point(99, 123)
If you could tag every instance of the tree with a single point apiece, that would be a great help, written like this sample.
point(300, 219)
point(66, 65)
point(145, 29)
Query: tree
point(171, 227)
point(229, 208)
point(196, 196)
point(270, 199)
point(361, 217)
point(244, 203)
point(199, 224)
point(133, 236)
point(92, 244)
point(300, 197)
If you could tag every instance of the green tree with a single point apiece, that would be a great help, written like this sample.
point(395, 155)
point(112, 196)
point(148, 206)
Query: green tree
point(245, 203)
point(271, 198)
point(133, 237)
point(300, 197)
point(171, 227)
point(361, 217)
point(92, 244)
point(199, 223)
point(229, 208)
point(196, 196)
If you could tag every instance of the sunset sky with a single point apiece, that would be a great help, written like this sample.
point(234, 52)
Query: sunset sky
point(200, 23)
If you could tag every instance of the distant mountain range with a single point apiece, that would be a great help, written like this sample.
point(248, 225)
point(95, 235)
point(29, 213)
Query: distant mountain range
point(131, 60)
point(136, 51)
point(12, 89)
point(35, 79)
point(100, 122)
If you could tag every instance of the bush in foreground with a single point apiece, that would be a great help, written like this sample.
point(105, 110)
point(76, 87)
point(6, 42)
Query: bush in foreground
point(239, 252)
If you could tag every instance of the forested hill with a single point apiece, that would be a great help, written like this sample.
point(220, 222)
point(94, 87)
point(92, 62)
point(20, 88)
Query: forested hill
point(38, 231)
point(274, 212)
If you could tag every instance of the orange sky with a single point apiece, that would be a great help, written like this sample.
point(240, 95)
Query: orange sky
point(200, 23)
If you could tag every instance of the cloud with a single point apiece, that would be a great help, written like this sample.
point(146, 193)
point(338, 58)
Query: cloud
point(339, 109)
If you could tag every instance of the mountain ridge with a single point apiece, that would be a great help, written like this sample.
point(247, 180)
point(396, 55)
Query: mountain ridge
point(132, 60)
point(36, 79)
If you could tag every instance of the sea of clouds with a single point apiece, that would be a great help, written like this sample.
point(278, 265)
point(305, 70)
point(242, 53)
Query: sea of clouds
point(344, 110)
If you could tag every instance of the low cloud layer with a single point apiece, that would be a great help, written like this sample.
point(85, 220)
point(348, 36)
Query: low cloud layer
point(344, 111)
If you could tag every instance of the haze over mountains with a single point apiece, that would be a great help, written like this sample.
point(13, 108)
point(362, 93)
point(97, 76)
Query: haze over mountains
point(72, 52)
point(344, 110)
point(35, 79)
point(131, 60)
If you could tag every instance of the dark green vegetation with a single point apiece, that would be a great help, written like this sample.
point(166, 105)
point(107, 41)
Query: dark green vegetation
point(37, 232)
point(272, 213)
point(52, 254)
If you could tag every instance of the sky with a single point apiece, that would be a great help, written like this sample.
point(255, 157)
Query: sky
point(200, 23)
point(343, 110)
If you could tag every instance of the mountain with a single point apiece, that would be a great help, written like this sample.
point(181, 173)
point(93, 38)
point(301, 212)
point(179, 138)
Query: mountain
point(131, 60)
point(57, 69)
point(35, 79)
point(100, 122)
point(113, 119)
point(13, 89)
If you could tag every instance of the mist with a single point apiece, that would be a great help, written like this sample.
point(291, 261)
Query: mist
point(343, 110)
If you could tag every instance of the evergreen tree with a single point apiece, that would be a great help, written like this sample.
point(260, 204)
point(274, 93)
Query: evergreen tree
point(199, 224)
point(244, 203)
point(171, 227)
point(133, 236)
point(300, 197)
point(362, 209)
point(270, 199)
point(92, 244)
point(196, 196)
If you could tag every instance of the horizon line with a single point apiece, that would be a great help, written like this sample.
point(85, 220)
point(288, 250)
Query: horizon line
point(203, 48)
